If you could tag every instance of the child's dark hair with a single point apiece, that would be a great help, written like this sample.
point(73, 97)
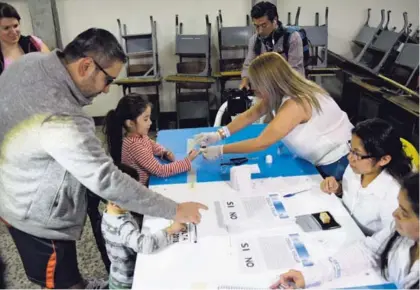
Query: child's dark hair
point(410, 184)
point(379, 138)
point(129, 108)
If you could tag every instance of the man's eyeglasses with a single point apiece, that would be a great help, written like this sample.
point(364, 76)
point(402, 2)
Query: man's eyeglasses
point(357, 155)
point(108, 79)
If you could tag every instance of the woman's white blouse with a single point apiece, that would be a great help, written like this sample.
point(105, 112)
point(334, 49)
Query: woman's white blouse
point(323, 139)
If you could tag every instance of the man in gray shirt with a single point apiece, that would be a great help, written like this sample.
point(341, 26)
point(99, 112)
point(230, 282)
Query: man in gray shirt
point(270, 37)
point(50, 154)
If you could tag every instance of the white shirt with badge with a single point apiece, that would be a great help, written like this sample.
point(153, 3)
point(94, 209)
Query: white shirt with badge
point(371, 207)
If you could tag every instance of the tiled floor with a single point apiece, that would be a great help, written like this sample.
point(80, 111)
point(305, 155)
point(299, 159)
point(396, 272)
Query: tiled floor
point(90, 263)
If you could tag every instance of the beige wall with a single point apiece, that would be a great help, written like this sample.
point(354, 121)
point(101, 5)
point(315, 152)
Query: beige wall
point(135, 13)
point(345, 19)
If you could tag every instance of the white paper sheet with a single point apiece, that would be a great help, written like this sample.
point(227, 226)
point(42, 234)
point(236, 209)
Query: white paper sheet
point(240, 177)
point(264, 253)
point(243, 213)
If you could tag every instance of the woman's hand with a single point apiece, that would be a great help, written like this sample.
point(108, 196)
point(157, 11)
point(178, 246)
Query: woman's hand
point(212, 152)
point(330, 185)
point(290, 280)
point(205, 139)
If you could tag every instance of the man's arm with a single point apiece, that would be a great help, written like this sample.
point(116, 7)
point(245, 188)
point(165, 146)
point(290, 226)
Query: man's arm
point(72, 142)
point(295, 54)
point(249, 57)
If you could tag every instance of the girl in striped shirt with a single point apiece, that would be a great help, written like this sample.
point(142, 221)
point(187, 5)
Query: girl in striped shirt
point(135, 148)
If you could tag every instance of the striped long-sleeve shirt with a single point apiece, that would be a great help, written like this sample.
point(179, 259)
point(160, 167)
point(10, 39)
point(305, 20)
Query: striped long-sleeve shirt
point(140, 152)
point(123, 241)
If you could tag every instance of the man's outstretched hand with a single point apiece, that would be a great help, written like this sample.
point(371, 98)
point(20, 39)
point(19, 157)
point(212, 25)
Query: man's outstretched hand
point(188, 212)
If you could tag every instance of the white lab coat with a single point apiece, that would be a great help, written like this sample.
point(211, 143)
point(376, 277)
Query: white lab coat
point(370, 207)
point(365, 254)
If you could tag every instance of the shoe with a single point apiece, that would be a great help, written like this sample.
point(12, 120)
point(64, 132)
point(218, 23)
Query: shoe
point(96, 284)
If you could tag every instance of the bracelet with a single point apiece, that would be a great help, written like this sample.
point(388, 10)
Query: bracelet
point(224, 132)
point(221, 133)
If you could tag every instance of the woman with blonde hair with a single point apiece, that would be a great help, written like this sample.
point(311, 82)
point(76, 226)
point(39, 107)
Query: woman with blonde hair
point(305, 118)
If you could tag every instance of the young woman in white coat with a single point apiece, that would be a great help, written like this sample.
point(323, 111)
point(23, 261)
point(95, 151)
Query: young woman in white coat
point(370, 183)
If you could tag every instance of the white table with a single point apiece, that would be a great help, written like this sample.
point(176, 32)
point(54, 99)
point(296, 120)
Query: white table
point(212, 261)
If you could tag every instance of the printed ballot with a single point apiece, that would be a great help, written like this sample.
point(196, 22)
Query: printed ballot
point(270, 252)
point(252, 212)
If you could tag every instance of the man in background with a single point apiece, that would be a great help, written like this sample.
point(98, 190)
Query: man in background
point(270, 37)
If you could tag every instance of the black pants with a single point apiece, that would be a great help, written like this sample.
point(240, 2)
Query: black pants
point(95, 221)
point(48, 263)
point(2, 271)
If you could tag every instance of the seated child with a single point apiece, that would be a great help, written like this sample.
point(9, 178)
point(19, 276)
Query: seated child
point(136, 149)
point(124, 240)
point(369, 186)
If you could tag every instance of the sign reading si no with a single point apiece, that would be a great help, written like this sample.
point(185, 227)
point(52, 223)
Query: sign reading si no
point(232, 214)
point(249, 262)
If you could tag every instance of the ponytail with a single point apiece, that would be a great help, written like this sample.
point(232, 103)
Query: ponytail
point(400, 165)
point(113, 130)
point(129, 108)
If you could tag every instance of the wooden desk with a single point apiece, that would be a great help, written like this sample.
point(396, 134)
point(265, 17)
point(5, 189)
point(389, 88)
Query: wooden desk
point(352, 68)
point(189, 79)
point(227, 74)
point(362, 100)
point(322, 71)
point(407, 103)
